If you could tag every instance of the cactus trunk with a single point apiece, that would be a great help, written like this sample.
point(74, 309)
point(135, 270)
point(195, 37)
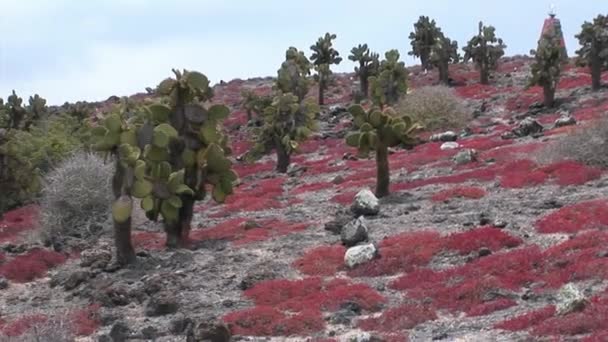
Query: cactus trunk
point(485, 75)
point(364, 85)
point(125, 254)
point(283, 158)
point(322, 87)
point(443, 73)
point(383, 174)
point(596, 72)
point(549, 96)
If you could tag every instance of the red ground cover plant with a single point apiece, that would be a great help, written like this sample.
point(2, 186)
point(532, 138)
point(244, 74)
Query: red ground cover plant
point(403, 317)
point(240, 233)
point(321, 261)
point(469, 192)
point(476, 91)
point(489, 307)
point(31, 265)
point(311, 187)
point(401, 253)
point(253, 197)
point(15, 222)
point(524, 173)
point(22, 324)
point(571, 173)
point(86, 321)
point(247, 169)
point(576, 217)
point(480, 175)
point(527, 320)
point(294, 307)
point(512, 152)
point(521, 173)
point(474, 287)
point(472, 240)
point(148, 240)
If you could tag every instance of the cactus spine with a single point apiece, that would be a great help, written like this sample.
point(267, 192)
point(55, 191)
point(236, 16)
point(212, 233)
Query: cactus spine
point(593, 39)
point(485, 49)
point(323, 56)
point(377, 130)
point(368, 65)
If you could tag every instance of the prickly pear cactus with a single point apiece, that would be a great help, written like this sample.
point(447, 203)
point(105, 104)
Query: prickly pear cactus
point(443, 53)
point(546, 69)
point(377, 130)
point(293, 74)
point(287, 121)
point(485, 49)
point(323, 56)
point(391, 82)
point(423, 39)
point(593, 53)
point(369, 64)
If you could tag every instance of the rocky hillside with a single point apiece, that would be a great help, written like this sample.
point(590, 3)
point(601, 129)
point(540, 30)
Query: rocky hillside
point(479, 240)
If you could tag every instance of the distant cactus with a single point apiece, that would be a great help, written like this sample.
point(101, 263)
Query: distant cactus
point(37, 110)
point(253, 103)
point(443, 53)
point(546, 69)
point(391, 82)
point(15, 111)
point(368, 65)
point(323, 56)
point(377, 131)
point(485, 49)
point(293, 74)
point(168, 158)
point(287, 121)
point(423, 39)
point(593, 39)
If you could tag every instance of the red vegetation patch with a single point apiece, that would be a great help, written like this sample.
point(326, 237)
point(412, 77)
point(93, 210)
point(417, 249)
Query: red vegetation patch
point(148, 240)
point(571, 173)
point(401, 318)
point(15, 222)
point(294, 307)
point(401, 253)
point(473, 287)
point(489, 307)
point(86, 321)
point(527, 320)
point(239, 233)
point(574, 218)
point(21, 325)
point(489, 237)
point(524, 173)
point(345, 198)
point(480, 175)
point(257, 196)
point(34, 264)
point(476, 91)
point(321, 261)
point(459, 192)
point(248, 169)
point(311, 187)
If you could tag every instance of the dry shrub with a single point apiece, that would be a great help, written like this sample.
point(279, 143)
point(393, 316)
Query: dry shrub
point(55, 329)
point(587, 145)
point(436, 107)
point(76, 198)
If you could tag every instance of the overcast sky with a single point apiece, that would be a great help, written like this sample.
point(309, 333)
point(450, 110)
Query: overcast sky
point(68, 50)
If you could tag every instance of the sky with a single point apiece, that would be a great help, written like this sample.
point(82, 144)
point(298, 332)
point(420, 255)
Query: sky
point(70, 50)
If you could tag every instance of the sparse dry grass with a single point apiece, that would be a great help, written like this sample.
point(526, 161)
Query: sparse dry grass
point(436, 107)
point(587, 145)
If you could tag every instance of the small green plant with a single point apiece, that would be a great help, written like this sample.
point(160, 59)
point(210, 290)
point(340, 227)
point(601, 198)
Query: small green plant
point(391, 82)
point(423, 39)
point(377, 130)
point(286, 123)
point(369, 64)
point(293, 75)
point(443, 53)
point(166, 157)
point(485, 49)
point(254, 103)
point(546, 69)
point(323, 57)
point(593, 53)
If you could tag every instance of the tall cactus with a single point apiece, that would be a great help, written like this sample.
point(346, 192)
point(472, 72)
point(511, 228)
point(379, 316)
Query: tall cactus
point(287, 121)
point(166, 157)
point(369, 64)
point(443, 53)
point(422, 39)
point(593, 39)
point(253, 103)
point(293, 74)
point(485, 49)
point(391, 82)
point(16, 111)
point(377, 130)
point(546, 69)
point(37, 110)
point(323, 56)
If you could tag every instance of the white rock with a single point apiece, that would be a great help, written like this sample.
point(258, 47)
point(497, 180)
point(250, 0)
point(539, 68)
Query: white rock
point(450, 145)
point(569, 299)
point(360, 254)
point(365, 203)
